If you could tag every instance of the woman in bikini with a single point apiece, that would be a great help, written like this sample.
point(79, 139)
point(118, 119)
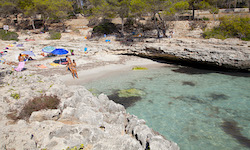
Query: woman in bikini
point(73, 69)
point(69, 64)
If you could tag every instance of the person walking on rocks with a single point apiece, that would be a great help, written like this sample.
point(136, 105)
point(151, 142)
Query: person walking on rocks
point(73, 69)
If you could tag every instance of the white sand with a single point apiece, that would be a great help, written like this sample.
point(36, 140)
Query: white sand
point(89, 75)
point(96, 64)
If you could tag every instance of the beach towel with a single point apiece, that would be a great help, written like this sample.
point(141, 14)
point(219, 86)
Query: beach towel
point(29, 39)
point(20, 66)
point(19, 45)
point(41, 66)
point(10, 45)
point(54, 64)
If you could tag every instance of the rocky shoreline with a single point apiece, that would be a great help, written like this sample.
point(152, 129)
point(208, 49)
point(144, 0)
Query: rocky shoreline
point(81, 118)
point(230, 54)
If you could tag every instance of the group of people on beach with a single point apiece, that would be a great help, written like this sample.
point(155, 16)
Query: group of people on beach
point(71, 66)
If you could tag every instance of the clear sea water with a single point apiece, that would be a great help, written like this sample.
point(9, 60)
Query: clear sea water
point(197, 109)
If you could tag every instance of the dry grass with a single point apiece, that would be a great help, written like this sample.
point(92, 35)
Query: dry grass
point(38, 103)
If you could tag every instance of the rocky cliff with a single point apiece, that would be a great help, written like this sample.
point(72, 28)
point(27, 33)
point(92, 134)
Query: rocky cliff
point(81, 118)
point(229, 54)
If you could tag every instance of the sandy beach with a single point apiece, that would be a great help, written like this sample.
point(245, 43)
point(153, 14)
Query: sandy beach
point(90, 66)
point(112, 69)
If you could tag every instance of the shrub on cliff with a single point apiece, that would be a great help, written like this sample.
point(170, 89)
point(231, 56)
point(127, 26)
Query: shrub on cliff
point(105, 28)
point(54, 35)
point(231, 27)
point(38, 103)
point(7, 36)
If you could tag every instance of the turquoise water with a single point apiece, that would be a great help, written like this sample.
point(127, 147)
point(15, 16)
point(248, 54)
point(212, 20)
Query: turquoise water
point(197, 109)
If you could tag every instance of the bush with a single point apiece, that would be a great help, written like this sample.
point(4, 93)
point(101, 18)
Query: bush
point(214, 33)
point(38, 103)
point(205, 18)
point(54, 35)
point(231, 27)
point(105, 28)
point(8, 36)
point(15, 95)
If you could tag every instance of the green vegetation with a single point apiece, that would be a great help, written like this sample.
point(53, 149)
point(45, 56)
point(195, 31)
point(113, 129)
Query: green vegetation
point(130, 93)
point(76, 148)
point(54, 35)
point(15, 95)
point(49, 9)
point(159, 13)
point(104, 28)
point(7, 36)
point(231, 27)
point(38, 103)
point(139, 68)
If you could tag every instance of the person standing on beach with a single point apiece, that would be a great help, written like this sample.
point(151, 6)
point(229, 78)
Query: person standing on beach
point(73, 69)
point(20, 58)
point(69, 63)
point(21, 63)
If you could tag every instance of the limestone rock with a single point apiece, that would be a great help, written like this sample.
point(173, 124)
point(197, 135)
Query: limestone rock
point(158, 143)
point(51, 114)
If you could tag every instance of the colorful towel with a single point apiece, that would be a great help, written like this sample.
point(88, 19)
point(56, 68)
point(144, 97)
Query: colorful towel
point(54, 64)
point(10, 45)
point(20, 66)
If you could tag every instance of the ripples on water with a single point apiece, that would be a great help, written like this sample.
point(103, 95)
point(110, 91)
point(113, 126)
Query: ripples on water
point(197, 109)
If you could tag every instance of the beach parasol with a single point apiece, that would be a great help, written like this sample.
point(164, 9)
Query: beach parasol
point(48, 49)
point(30, 53)
point(60, 51)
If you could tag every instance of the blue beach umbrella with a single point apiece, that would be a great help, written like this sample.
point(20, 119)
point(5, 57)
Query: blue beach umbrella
point(60, 51)
point(30, 53)
point(48, 49)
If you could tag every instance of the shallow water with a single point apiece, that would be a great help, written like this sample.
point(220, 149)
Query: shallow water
point(197, 109)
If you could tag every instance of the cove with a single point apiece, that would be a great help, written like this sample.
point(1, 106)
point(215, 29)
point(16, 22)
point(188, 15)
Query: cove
point(196, 108)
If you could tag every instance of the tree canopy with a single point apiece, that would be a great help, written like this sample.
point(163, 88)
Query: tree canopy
point(156, 11)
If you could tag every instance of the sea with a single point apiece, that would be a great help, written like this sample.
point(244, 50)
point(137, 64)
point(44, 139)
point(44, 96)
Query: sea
point(198, 109)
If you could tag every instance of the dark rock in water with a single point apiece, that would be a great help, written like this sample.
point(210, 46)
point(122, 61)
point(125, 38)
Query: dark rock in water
point(150, 101)
point(190, 99)
point(150, 78)
point(215, 96)
point(125, 101)
point(188, 83)
point(169, 103)
point(191, 71)
point(126, 97)
point(230, 127)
